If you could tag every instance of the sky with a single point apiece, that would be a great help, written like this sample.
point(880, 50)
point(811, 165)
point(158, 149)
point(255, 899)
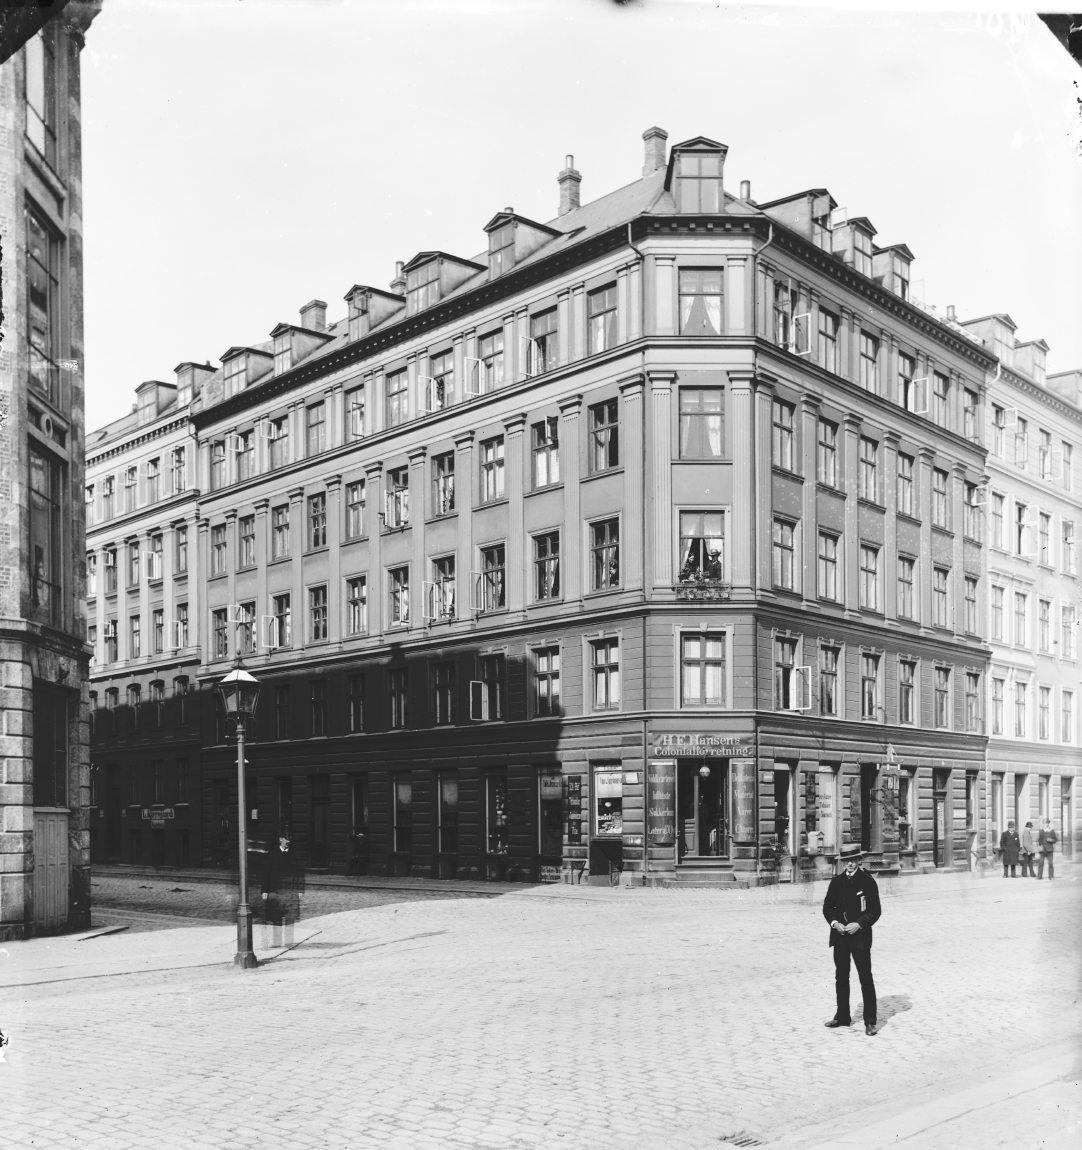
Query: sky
point(241, 157)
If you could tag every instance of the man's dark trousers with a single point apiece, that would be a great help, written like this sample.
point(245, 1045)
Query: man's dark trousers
point(862, 959)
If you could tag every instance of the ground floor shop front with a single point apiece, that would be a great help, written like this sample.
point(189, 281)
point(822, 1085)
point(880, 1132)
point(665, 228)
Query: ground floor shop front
point(640, 799)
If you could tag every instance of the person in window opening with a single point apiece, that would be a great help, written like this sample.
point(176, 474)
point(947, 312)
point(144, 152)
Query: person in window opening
point(1028, 851)
point(851, 907)
point(1046, 840)
point(1009, 846)
point(696, 567)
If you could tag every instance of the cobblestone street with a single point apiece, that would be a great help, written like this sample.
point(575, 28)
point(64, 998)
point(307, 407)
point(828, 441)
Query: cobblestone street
point(549, 1016)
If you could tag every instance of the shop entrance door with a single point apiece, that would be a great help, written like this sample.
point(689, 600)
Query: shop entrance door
point(868, 773)
point(702, 801)
point(1066, 823)
point(112, 818)
point(940, 853)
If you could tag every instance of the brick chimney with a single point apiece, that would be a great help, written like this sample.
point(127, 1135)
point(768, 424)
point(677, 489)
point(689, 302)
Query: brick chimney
point(398, 284)
point(314, 315)
point(654, 156)
point(569, 181)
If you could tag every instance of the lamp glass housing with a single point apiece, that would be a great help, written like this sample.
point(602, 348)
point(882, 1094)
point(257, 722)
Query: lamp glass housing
point(239, 693)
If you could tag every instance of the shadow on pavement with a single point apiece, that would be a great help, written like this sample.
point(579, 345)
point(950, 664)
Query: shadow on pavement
point(891, 1005)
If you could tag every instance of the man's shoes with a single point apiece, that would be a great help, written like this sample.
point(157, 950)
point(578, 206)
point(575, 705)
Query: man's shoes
point(836, 1022)
point(871, 1028)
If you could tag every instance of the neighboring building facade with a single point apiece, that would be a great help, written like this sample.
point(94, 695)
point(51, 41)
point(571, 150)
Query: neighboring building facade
point(649, 540)
point(141, 508)
point(1034, 506)
point(44, 855)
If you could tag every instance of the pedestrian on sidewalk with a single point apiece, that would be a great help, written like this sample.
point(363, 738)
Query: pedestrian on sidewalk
point(851, 907)
point(1009, 847)
point(1028, 851)
point(1046, 840)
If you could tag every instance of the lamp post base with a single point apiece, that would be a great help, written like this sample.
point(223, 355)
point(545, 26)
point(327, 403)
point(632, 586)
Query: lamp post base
point(245, 957)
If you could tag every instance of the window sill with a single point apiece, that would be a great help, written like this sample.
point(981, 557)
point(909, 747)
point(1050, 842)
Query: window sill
point(316, 550)
point(777, 469)
point(702, 459)
point(216, 575)
point(908, 517)
point(948, 531)
point(452, 514)
point(618, 470)
point(829, 489)
point(246, 567)
point(558, 486)
point(599, 591)
point(499, 501)
point(278, 559)
point(874, 504)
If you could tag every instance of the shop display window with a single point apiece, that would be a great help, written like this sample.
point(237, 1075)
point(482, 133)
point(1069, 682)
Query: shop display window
point(496, 823)
point(608, 801)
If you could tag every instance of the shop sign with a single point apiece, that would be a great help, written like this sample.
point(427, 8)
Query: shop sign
point(745, 784)
point(695, 745)
point(574, 791)
point(156, 816)
point(574, 830)
point(550, 873)
point(632, 840)
point(661, 802)
point(552, 788)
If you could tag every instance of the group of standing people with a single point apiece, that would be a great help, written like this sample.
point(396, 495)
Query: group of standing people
point(1015, 849)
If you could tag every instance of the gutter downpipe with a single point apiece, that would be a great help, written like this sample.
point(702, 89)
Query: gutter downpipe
point(642, 512)
point(755, 648)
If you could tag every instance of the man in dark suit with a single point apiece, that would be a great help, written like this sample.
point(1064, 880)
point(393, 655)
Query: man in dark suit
point(851, 907)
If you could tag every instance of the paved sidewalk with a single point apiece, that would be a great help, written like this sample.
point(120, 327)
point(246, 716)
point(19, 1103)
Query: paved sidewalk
point(580, 1017)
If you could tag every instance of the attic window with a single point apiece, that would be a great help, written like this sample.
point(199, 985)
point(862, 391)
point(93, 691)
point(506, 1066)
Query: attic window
point(283, 352)
point(901, 278)
point(698, 182)
point(501, 249)
point(862, 251)
point(422, 287)
point(235, 374)
point(148, 405)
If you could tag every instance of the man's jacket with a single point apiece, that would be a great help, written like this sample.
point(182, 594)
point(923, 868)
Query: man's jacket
point(853, 900)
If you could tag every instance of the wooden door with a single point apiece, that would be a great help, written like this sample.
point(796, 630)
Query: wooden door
point(50, 869)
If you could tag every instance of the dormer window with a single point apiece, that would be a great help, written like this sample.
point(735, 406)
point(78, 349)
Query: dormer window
point(148, 404)
point(698, 182)
point(283, 352)
point(901, 279)
point(422, 287)
point(501, 249)
point(862, 252)
point(236, 373)
point(822, 209)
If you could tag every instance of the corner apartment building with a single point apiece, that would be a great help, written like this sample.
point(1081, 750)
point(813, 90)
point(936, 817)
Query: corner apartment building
point(1034, 509)
point(648, 539)
point(44, 844)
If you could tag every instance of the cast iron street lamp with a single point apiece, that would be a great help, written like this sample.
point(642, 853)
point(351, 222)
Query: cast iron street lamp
point(240, 693)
